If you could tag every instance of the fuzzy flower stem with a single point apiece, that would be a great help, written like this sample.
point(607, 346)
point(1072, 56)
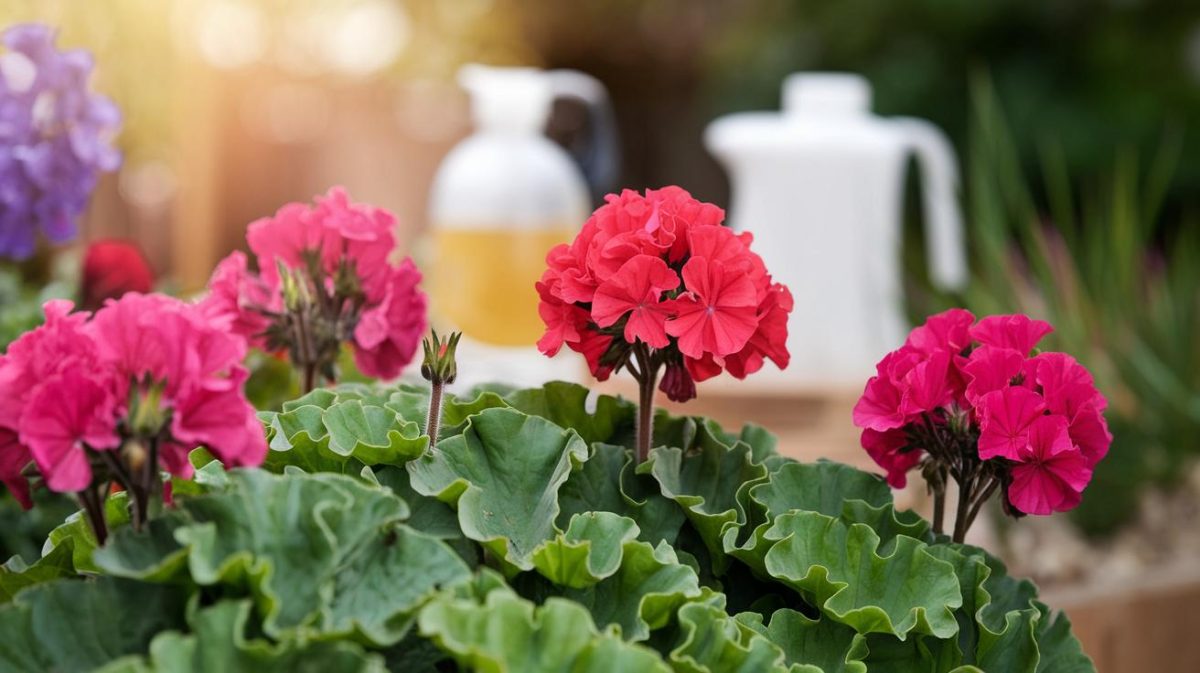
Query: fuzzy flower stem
point(434, 419)
point(647, 378)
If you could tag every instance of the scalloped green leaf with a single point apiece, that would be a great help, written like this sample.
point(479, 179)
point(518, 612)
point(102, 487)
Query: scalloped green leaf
point(822, 487)
point(502, 474)
point(607, 482)
point(1059, 650)
point(325, 553)
point(832, 489)
point(16, 575)
point(838, 568)
point(814, 645)
point(566, 404)
point(341, 437)
point(507, 633)
point(713, 642)
point(643, 594)
point(917, 654)
point(217, 642)
point(705, 483)
point(589, 551)
point(79, 625)
point(412, 403)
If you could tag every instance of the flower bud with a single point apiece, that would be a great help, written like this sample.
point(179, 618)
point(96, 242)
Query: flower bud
point(439, 365)
point(677, 383)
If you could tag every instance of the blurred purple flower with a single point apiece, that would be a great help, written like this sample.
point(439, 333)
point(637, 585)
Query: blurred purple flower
point(55, 138)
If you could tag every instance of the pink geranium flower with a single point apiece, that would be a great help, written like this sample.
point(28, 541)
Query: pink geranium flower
point(991, 368)
point(65, 414)
point(14, 456)
point(339, 252)
point(887, 449)
point(77, 388)
point(948, 331)
point(1051, 472)
point(879, 408)
point(1018, 332)
point(966, 402)
point(1005, 420)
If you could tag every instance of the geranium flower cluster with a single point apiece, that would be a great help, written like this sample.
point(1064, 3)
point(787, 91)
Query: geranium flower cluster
point(55, 137)
point(976, 402)
point(323, 278)
point(113, 397)
point(662, 271)
point(655, 281)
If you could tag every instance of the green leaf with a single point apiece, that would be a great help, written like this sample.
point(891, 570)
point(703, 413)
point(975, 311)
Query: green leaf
point(79, 625)
point(822, 487)
point(815, 645)
point(502, 474)
point(323, 554)
point(589, 551)
point(412, 403)
point(217, 643)
point(1060, 651)
point(705, 484)
point(643, 594)
point(15, 575)
point(838, 569)
point(342, 436)
point(565, 405)
point(373, 435)
point(507, 633)
point(832, 489)
point(377, 589)
point(79, 531)
point(713, 642)
point(607, 482)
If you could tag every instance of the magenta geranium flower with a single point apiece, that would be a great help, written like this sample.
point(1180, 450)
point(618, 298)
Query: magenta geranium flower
point(339, 285)
point(976, 403)
point(1051, 472)
point(112, 399)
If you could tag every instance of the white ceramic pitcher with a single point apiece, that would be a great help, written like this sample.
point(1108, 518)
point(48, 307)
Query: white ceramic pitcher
point(820, 186)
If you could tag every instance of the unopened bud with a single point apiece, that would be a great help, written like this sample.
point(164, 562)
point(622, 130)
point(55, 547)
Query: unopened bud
point(439, 365)
point(135, 455)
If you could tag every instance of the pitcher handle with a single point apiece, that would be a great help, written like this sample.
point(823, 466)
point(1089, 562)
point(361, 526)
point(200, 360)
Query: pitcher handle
point(599, 156)
point(943, 218)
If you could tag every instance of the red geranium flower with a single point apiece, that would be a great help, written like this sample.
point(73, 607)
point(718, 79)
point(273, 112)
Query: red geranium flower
point(656, 277)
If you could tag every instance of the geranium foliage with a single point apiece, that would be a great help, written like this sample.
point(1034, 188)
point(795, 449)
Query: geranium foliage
point(526, 539)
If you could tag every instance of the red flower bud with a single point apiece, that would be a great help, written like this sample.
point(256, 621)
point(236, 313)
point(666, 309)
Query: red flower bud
point(110, 269)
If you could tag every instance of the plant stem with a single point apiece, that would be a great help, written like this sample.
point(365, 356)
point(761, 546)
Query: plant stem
point(979, 502)
point(307, 359)
point(939, 509)
point(310, 378)
point(94, 510)
point(965, 488)
point(647, 378)
point(434, 419)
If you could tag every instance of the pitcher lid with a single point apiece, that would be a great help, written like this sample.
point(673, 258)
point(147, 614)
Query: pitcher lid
point(826, 94)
